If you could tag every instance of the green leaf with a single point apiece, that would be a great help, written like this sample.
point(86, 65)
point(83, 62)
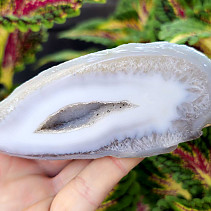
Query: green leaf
point(91, 31)
point(181, 31)
point(124, 196)
point(125, 6)
point(133, 21)
point(62, 56)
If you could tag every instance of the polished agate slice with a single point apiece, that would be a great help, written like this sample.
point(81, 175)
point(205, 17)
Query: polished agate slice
point(135, 100)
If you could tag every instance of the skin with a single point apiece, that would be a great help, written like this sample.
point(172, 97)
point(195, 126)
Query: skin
point(78, 185)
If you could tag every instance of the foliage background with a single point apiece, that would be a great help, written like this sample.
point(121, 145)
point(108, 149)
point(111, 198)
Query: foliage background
point(180, 180)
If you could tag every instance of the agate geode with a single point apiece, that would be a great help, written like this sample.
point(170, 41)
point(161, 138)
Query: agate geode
point(135, 100)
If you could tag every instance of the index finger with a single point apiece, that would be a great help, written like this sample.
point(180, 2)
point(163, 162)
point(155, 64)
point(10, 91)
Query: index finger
point(89, 188)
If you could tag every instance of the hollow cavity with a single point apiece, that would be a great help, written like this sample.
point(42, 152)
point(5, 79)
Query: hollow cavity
point(79, 115)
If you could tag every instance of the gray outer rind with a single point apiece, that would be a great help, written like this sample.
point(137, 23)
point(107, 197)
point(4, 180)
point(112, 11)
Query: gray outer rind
point(117, 154)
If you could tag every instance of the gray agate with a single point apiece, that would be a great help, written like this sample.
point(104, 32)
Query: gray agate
point(135, 100)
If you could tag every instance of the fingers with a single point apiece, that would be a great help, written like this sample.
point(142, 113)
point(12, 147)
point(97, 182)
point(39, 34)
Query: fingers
point(89, 188)
point(33, 190)
point(13, 167)
point(57, 183)
point(25, 191)
point(68, 173)
point(51, 167)
point(43, 205)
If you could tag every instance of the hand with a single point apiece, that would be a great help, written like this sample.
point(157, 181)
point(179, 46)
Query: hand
point(78, 185)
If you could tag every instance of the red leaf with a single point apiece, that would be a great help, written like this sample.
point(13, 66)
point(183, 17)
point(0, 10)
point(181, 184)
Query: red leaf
point(10, 50)
point(197, 163)
point(19, 4)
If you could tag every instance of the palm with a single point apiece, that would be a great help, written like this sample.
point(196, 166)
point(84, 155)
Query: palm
point(43, 185)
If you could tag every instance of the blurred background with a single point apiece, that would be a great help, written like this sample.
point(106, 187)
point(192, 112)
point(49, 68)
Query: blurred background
point(37, 34)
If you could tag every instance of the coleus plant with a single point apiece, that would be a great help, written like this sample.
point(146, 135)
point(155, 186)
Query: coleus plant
point(23, 27)
point(180, 180)
point(177, 21)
